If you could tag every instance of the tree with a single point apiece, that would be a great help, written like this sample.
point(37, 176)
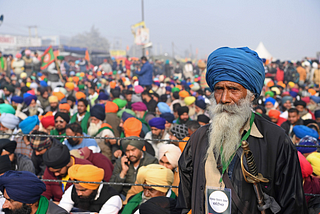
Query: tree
point(91, 40)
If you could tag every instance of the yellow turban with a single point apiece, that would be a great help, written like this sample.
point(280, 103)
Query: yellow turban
point(70, 85)
point(314, 159)
point(157, 175)
point(86, 173)
point(291, 84)
point(189, 100)
point(53, 99)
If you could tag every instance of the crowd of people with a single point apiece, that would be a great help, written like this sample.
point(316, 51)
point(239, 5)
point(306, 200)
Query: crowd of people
point(129, 123)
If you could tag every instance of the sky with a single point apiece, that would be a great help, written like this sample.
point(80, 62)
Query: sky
point(289, 29)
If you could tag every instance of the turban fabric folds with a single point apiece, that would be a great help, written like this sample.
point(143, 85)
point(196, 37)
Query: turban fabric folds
point(307, 141)
point(8, 145)
point(306, 168)
point(158, 122)
point(47, 121)
point(57, 157)
point(314, 160)
point(40, 143)
point(28, 124)
point(98, 112)
point(271, 100)
point(172, 153)
point(120, 102)
point(132, 127)
point(9, 121)
point(64, 106)
point(86, 173)
point(22, 186)
point(274, 113)
point(53, 99)
point(157, 175)
point(168, 117)
point(163, 107)
point(239, 65)
point(111, 107)
point(301, 131)
point(64, 116)
point(6, 108)
point(17, 99)
point(133, 141)
point(139, 106)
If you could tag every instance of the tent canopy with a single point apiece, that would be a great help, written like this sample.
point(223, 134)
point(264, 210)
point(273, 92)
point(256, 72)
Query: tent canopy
point(263, 52)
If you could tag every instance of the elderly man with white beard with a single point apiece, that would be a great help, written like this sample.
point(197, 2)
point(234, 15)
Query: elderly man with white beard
point(98, 128)
point(210, 161)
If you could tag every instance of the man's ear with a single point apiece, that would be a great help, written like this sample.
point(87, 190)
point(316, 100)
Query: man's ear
point(252, 98)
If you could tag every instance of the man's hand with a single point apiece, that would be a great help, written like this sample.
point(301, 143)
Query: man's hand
point(125, 166)
point(117, 153)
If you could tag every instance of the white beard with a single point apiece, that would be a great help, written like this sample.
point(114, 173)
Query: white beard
point(225, 126)
point(94, 128)
point(9, 131)
point(33, 110)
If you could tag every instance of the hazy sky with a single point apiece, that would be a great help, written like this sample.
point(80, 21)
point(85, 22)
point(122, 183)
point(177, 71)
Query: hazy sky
point(289, 29)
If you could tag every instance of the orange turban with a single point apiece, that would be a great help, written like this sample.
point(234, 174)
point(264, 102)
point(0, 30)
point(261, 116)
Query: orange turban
point(132, 127)
point(59, 94)
point(184, 94)
point(49, 113)
point(270, 83)
point(80, 95)
point(64, 106)
point(312, 91)
point(81, 74)
point(86, 173)
point(111, 107)
point(112, 85)
point(76, 79)
point(274, 113)
point(69, 85)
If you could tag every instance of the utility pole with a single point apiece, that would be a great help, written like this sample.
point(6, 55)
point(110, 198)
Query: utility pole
point(142, 13)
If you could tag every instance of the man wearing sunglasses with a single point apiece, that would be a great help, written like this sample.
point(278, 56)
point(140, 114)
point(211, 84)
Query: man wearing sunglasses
point(60, 122)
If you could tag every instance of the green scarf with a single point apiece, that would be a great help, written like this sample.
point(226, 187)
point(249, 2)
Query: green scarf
point(43, 205)
point(103, 128)
point(84, 121)
point(143, 120)
point(2, 62)
point(55, 132)
point(136, 200)
point(178, 120)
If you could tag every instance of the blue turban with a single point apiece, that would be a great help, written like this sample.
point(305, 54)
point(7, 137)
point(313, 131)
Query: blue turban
point(28, 124)
point(168, 88)
point(301, 131)
point(126, 116)
point(239, 65)
point(25, 95)
point(293, 93)
point(29, 99)
point(201, 104)
point(270, 99)
point(286, 98)
point(157, 122)
point(315, 99)
point(22, 186)
point(98, 112)
point(43, 83)
point(17, 99)
point(103, 96)
point(168, 117)
point(163, 107)
point(157, 84)
point(317, 113)
point(307, 141)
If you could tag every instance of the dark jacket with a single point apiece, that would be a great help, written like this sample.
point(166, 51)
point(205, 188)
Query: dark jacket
point(54, 189)
point(131, 174)
point(55, 209)
point(145, 74)
point(23, 163)
point(276, 159)
point(286, 126)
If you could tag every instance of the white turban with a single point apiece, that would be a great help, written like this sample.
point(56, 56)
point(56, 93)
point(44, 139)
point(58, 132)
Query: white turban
point(172, 153)
point(9, 121)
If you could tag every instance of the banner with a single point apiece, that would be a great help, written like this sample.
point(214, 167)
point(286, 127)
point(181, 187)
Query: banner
point(118, 53)
point(142, 36)
point(47, 58)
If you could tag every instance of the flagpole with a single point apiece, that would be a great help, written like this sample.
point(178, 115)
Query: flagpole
point(58, 69)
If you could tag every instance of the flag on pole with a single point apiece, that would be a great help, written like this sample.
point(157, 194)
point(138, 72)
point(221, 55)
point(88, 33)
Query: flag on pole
point(87, 57)
point(47, 58)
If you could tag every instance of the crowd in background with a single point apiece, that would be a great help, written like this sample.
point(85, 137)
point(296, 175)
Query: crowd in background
point(143, 113)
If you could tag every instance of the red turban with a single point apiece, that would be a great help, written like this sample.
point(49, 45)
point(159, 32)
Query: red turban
point(274, 113)
point(47, 121)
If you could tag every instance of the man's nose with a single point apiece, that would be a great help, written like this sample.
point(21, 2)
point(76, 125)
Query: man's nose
point(225, 97)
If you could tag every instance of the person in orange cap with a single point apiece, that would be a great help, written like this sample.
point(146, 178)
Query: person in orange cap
point(132, 127)
point(111, 110)
point(274, 115)
point(91, 197)
point(80, 95)
point(64, 107)
point(59, 95)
